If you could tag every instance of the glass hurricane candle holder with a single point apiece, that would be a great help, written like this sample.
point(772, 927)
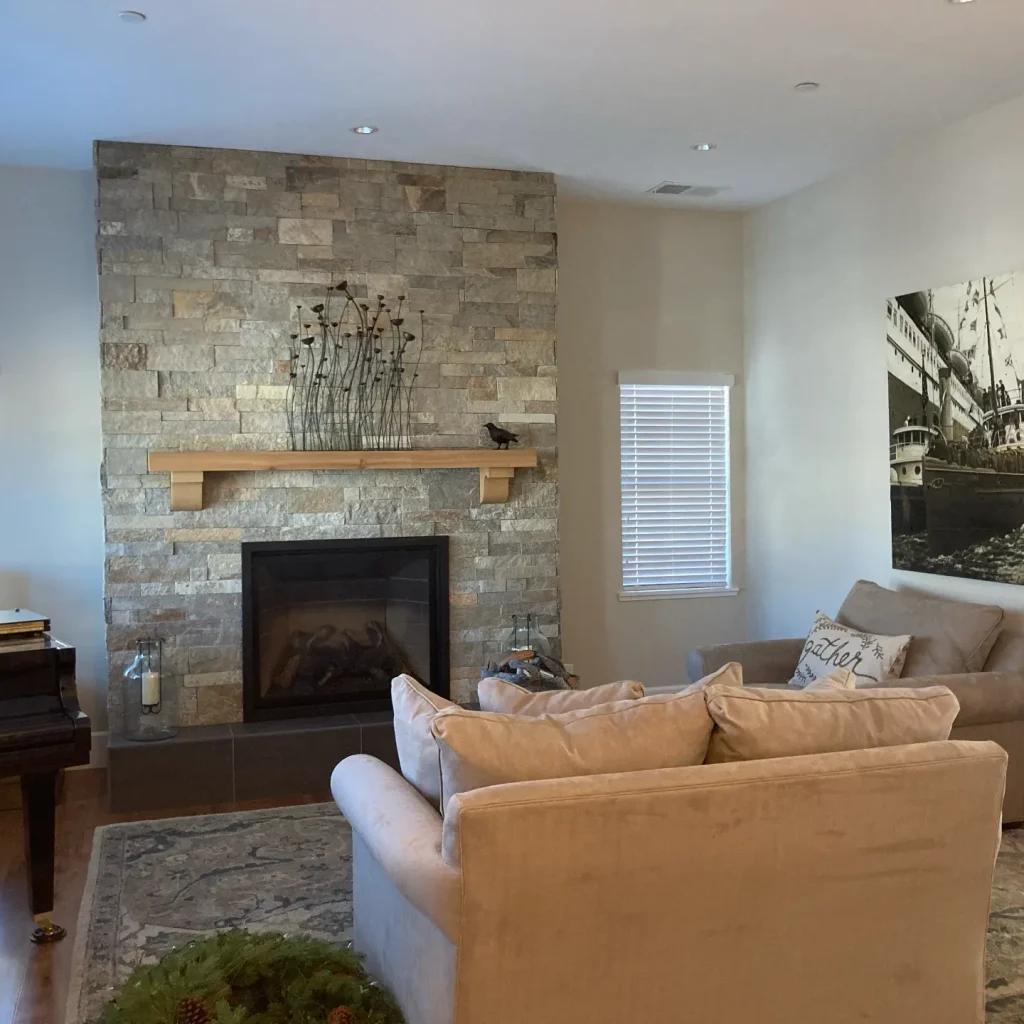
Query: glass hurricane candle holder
point(148, 698)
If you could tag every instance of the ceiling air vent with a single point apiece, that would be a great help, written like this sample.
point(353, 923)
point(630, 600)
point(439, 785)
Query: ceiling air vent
point(670, 188)
point(673, 188)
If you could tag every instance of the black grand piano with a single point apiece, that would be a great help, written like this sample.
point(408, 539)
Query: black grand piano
point(42, 731)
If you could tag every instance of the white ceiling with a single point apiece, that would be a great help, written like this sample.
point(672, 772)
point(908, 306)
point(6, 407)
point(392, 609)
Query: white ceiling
point(609, 95)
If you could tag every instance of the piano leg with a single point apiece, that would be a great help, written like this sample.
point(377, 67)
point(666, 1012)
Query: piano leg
point(39, 811)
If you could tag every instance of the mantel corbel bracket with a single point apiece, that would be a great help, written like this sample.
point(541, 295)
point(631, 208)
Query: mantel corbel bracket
point(494, 484)
point(186, 490)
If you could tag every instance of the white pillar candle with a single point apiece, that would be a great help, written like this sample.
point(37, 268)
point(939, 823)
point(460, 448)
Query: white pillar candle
point(150, 688)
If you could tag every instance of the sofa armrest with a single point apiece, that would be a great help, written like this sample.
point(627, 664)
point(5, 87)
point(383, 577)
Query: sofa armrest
point(985, 697)
point(765, 662)
point(403, 833)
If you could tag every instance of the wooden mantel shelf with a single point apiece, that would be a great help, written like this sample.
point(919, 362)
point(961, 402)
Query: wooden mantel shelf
point(187, 468)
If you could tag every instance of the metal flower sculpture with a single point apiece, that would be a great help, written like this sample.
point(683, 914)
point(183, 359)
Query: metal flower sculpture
point(352, 375)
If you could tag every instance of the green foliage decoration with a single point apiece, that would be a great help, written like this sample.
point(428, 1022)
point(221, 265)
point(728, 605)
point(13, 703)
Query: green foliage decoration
point(253, 978)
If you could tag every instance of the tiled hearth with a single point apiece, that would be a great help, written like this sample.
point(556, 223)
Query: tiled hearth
point(204, 255)
point(214, 764)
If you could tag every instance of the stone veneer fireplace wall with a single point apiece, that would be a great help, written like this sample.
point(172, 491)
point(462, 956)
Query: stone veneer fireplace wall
point(203, 256)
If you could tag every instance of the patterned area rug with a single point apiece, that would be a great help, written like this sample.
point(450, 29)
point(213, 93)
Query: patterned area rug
point(1005, 960)
point(156, 884)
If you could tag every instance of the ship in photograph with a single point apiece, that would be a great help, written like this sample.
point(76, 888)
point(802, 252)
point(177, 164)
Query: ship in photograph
point(956, 420)
point(910, 444)
point(923, 391)
point(969, 505)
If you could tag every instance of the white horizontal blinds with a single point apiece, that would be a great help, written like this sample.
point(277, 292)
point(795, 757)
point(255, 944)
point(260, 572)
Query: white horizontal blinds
point(675, 485)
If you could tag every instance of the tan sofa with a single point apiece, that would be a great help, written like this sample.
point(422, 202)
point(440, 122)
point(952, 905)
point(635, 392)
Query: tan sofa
point(963, 646)
point(842, 887)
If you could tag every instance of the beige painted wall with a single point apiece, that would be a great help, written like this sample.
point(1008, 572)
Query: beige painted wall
point(639, 289)
point(940, 209)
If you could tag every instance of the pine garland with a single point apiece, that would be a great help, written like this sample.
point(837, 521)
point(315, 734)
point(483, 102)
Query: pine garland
point(240, 977)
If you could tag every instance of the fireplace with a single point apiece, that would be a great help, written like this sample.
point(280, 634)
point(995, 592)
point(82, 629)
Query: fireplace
point(327, 624)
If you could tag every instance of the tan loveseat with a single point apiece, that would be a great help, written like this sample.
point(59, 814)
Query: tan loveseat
point(963, 646)
point(834, 888)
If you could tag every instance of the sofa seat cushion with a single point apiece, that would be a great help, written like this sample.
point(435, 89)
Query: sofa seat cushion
point(751, 724)
point(948, 636)
point(831, 647)
point(506, 698)
point(414, 709)
point(479, 748)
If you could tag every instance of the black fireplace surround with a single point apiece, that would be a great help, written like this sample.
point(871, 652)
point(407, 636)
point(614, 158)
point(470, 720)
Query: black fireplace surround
point(326, 624)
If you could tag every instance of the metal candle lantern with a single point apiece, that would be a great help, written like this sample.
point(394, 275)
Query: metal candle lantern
point(147, 712)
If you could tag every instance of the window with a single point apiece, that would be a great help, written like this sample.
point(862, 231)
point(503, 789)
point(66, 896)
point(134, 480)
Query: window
point(674, 445)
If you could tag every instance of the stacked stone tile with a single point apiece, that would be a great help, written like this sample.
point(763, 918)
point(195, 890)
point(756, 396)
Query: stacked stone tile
point(204, 255)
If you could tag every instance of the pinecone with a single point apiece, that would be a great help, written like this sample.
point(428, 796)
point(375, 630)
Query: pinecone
point(192, 1011)
point(341, 1015)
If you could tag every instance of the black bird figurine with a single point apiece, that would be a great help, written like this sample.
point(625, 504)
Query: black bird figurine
point(500, 436)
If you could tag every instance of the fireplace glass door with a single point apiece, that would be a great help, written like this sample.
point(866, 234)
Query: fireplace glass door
point(328, 624)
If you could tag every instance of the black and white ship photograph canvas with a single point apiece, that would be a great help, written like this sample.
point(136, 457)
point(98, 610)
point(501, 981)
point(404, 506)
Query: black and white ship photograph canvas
point(956, 429)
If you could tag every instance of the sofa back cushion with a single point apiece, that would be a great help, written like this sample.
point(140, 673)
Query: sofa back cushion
point(506, 698)
point(948, 636)
point(479, 748)
point(414, 707)
point(751, 724)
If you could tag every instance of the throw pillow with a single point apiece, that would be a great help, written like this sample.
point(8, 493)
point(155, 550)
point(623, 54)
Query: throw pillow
point(415, 707)
point(830, 646)
point(508, 699)
point(751, 724)
point(844, 679)
point(480, 748)
point(727, 675)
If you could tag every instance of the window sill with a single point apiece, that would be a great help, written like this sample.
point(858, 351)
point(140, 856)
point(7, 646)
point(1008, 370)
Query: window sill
point(671, 595)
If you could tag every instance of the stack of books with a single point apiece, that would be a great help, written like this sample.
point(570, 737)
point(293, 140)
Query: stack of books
point(19, 622)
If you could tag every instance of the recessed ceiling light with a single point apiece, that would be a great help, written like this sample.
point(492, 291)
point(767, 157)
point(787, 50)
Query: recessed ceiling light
point(132, 17)
point(961, 1)
point(365, 129)
point(704, 147)
point(807, 86)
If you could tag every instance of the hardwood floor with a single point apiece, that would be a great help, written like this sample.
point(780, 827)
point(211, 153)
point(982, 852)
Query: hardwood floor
point(34, 980)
